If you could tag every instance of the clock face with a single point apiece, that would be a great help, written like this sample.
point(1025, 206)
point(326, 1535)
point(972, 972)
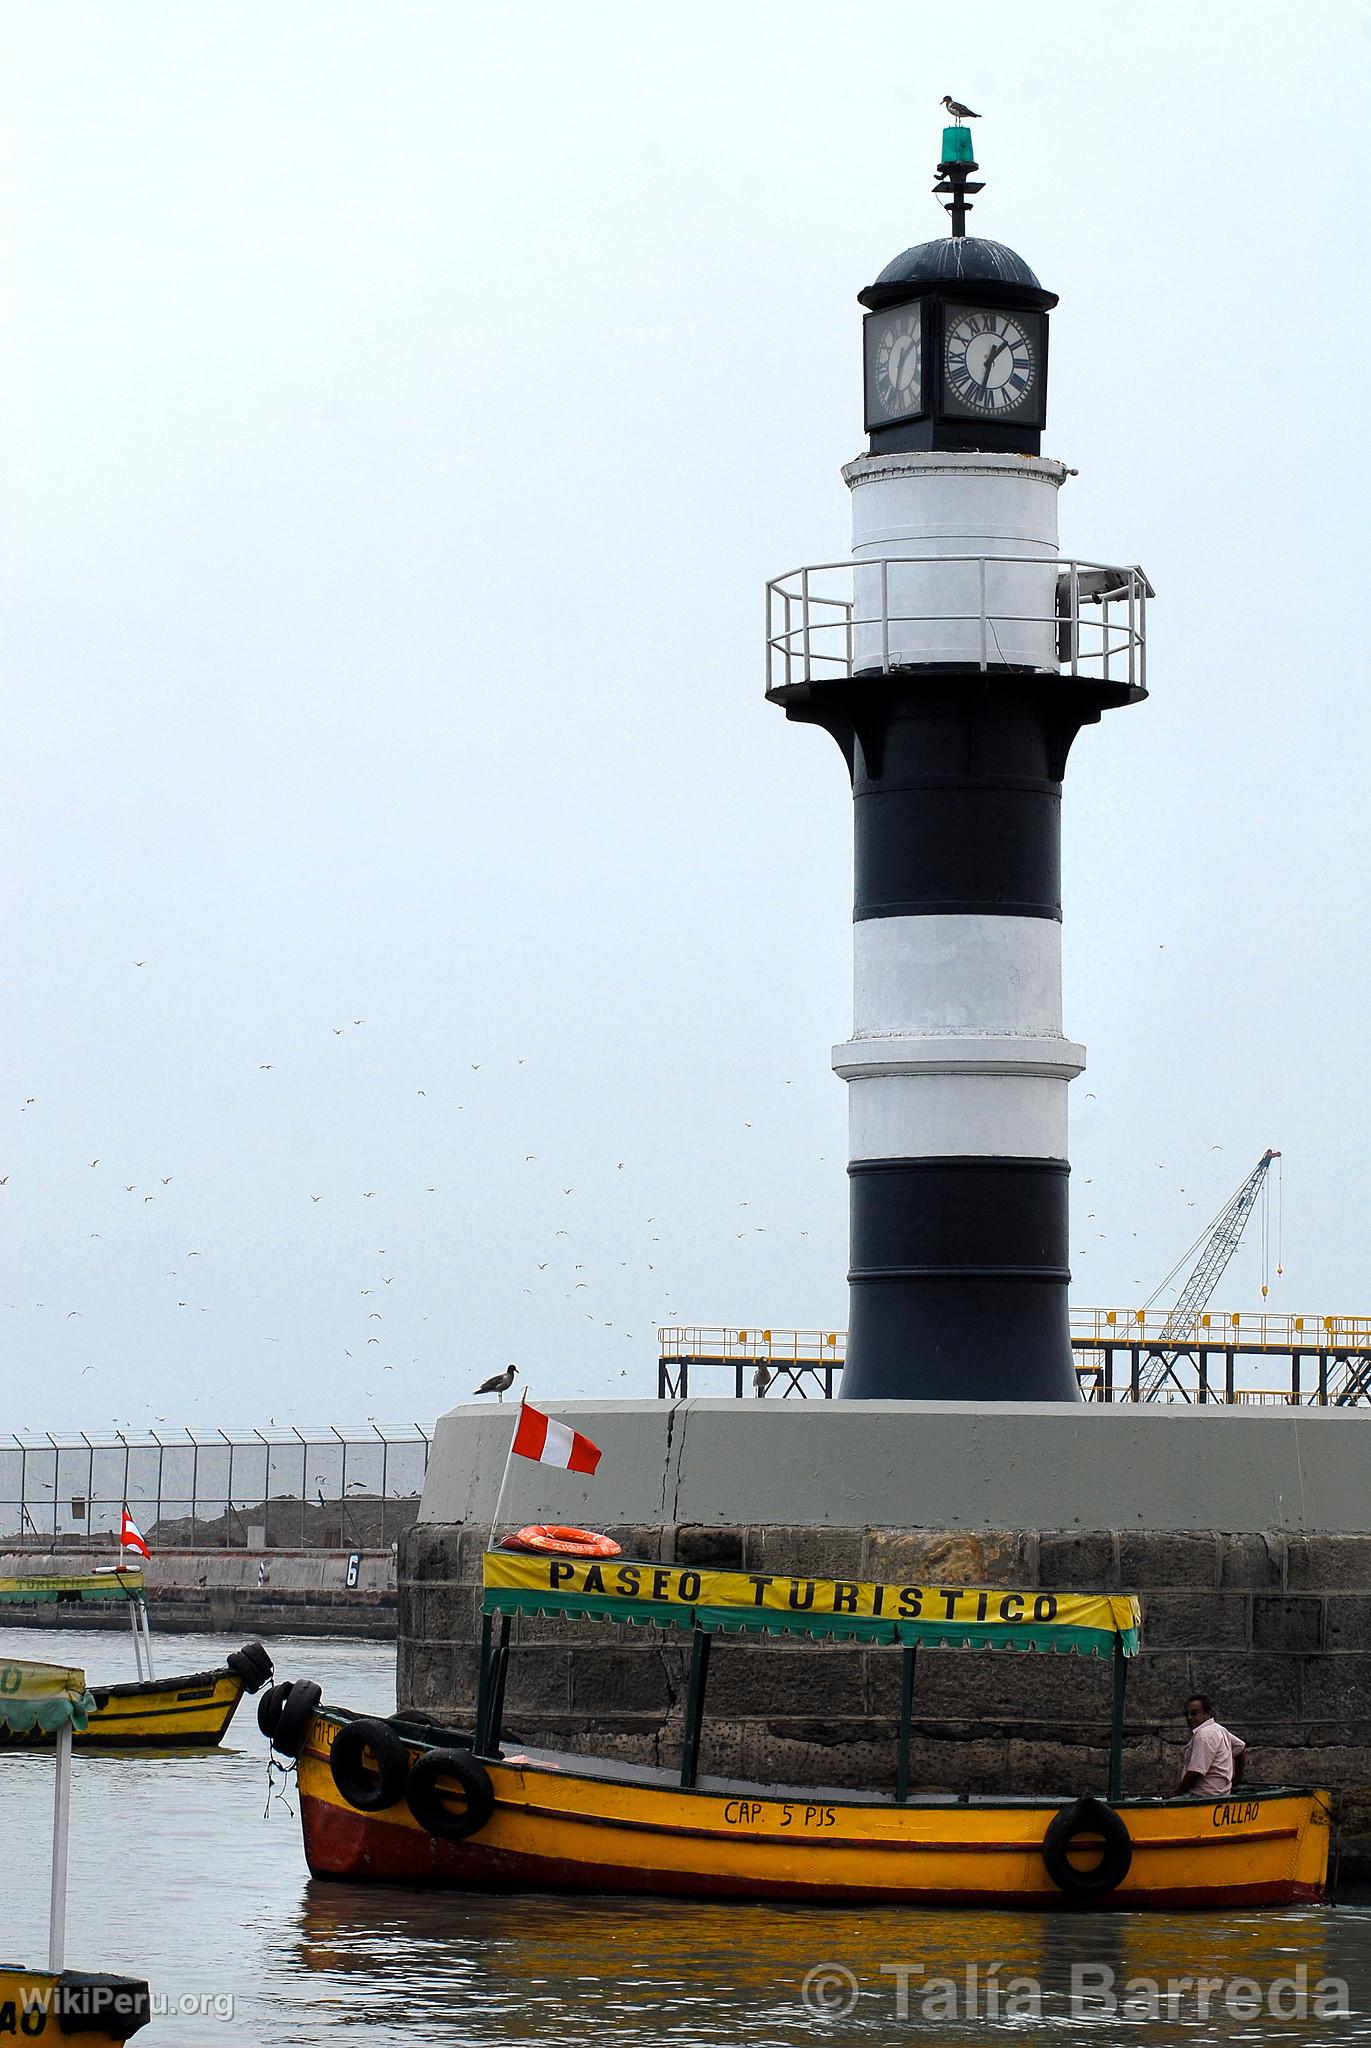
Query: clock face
point(992, 363)
point(894, 365)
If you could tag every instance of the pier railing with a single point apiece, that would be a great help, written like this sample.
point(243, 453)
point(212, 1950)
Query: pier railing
point(1239, 1358)
point(321, 1489)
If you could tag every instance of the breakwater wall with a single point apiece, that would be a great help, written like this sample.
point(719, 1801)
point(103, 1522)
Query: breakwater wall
point(1246, 1536)
point(237, 1593)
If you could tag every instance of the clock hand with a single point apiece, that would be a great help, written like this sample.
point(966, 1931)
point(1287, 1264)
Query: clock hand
point(998, 349)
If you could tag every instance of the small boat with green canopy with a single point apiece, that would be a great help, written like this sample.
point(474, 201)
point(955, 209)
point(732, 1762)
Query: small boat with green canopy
point(85, 2009)
point(421, 1806)
point(188, 1712)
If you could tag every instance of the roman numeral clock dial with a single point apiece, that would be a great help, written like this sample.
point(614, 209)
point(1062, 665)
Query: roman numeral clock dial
point(895, 365)
point(991, 363)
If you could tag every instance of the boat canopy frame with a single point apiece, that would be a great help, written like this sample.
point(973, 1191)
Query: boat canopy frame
point(710, 1603)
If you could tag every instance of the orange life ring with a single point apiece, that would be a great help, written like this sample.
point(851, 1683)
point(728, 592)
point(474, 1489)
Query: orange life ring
point(552, 1538)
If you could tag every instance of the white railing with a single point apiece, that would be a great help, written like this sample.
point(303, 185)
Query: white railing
point(832, 620)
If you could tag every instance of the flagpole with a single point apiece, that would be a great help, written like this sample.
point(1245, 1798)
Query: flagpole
point(133, 1604)
point(504, 1476)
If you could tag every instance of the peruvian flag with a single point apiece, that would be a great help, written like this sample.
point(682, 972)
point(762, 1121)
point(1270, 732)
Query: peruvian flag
point(552, 1443)
point(130, 1535)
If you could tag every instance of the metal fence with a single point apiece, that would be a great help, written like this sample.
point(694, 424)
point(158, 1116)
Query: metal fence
point(266, 1489)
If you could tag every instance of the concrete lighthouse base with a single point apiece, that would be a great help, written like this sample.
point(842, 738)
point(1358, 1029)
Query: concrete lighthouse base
point(1246, 1533)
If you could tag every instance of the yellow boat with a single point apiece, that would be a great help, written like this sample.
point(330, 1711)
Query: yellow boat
point(75, 2007)
point(187, 1712)
point(79, 2010)
point(386, 1803)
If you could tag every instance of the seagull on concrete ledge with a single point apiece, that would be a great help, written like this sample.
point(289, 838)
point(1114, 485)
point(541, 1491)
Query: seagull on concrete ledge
point(958, 111)
point(500, 1383)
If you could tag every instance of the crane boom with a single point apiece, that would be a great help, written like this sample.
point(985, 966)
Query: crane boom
point(1182, 1321)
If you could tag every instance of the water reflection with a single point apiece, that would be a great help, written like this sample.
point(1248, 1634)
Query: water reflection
point(518, 1971)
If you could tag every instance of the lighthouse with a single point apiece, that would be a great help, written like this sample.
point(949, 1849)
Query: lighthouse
point(954, 657)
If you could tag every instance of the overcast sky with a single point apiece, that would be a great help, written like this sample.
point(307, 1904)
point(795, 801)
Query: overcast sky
point(405, 407)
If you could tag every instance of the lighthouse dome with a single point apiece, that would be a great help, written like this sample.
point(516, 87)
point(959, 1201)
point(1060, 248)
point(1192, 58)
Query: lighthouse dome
point(969, 266)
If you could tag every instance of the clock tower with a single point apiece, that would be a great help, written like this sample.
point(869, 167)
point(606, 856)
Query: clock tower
point(954, 658)
point(956, 337)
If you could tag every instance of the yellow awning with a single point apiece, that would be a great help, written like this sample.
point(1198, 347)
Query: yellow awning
point(43, 1586)
point(46, 1696)
point(774, 1603)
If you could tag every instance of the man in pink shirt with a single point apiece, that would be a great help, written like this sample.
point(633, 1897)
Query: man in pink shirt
point(1214, 1759)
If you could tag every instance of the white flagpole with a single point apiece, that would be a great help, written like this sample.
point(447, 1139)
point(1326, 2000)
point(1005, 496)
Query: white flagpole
point(61, 1825)
point(133, 1605)
point(504, 1476)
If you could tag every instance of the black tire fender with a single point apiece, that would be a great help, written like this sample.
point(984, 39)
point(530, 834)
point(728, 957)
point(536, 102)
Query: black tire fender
point(369, 1789)
point(251, 1664)
point(1087, 1816)
point(427, 1803)
point(270, 1705)
point(296, 1713)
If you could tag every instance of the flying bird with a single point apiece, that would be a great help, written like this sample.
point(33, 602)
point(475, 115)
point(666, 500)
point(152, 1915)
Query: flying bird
point(957, 110)
point(95, 1162)
point(499, 1383)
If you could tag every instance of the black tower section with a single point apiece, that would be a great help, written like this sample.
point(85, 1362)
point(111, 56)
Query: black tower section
point(958, 1266)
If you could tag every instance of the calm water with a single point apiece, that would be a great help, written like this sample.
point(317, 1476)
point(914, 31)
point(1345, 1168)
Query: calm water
point(179, 1878)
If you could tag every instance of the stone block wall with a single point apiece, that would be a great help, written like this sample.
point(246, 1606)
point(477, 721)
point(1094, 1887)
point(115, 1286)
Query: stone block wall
point(1275, 1628)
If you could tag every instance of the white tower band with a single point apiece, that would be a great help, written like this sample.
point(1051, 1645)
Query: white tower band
point(954, 659)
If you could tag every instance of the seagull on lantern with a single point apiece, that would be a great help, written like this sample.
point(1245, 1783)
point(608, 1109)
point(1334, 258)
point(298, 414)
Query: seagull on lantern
point(500, 1382)
point(958, 111)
